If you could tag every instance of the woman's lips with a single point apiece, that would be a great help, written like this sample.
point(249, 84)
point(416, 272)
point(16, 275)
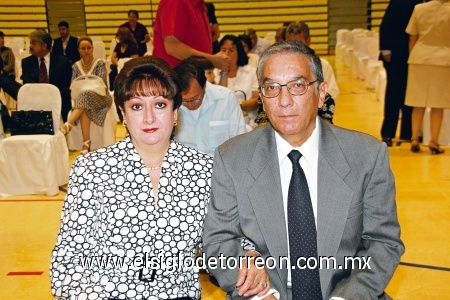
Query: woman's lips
point(150, 130)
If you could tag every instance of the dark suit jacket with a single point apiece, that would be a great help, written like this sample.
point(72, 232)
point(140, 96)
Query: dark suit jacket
point(60, 75)
point(392, 31)
point(71, 51)
point(356, 210)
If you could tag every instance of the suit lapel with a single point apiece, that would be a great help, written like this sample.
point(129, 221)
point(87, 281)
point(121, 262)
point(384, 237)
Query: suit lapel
point(266, 196)
point(334, 198)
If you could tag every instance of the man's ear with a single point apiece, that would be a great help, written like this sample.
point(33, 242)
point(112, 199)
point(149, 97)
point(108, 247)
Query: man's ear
point(323, 89)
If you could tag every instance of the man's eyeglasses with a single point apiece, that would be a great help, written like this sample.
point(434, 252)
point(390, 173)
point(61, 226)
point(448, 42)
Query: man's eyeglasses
point(295, 87)
point(194, 100)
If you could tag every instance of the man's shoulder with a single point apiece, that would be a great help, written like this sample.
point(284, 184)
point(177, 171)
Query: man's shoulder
point(245, 142)
point(352, 142)
point(218, 93)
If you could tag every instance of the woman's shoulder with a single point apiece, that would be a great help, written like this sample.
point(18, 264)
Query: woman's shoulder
point(189, 154)
point(98, 159)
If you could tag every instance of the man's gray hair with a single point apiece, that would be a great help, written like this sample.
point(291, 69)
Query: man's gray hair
point(42, 37)
point(292, 47)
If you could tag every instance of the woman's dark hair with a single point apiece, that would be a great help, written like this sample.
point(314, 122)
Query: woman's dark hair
point(125, 36)
point(147, 76)
point(2, 34)
point(242, 56)
point(189, 69)
point(246, 39)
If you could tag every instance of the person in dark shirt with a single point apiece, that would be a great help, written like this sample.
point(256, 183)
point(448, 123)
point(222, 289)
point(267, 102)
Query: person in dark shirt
point(66, 45)
point(138, 30)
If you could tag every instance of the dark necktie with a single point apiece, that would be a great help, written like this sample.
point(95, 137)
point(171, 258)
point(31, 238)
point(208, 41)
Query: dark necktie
point(302, 234)
point(43, 72)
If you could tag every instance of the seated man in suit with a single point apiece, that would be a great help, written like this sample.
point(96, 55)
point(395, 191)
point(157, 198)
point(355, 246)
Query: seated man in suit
point(301, 190)
point(209, 114)
point(66, 45)
point(55, 70)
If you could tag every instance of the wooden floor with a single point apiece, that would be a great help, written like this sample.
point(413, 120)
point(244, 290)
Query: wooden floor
point(29, 223)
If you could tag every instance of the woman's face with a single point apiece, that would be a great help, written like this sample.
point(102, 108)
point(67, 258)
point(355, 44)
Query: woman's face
point(244, 44)
point(230, 49)
point(210, 76)
point(149, 119)
point(86, 50)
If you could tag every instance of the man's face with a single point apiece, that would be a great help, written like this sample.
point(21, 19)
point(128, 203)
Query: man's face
point(63, 31)
point(298, 37)
point(38, 49)
point(193, 96)
point(254, 39)
point(293, 117)
point(132, 18)
point(2, 41)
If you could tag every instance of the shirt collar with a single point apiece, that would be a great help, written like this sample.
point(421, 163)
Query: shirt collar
point(309, 149)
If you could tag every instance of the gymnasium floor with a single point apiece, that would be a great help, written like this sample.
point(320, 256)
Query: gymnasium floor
point(29, 223)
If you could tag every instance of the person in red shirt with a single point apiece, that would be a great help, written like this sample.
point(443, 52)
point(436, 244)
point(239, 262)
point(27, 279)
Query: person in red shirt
point(181, 30)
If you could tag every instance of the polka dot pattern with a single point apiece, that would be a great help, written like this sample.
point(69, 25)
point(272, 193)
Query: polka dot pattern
point(302, 233)
point(110, 210)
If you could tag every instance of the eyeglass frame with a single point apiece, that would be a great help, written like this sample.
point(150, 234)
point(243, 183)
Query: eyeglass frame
point(261, 89)
point(194, 100)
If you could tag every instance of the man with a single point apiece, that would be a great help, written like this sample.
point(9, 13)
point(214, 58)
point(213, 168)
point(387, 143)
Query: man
point(7, 69)
point(181, 30)
point(138, 30)
point(299, 31)
point(66, 45)
point(394, 54)
point(58, 70)
point(348, 195)
point(209, 114)
point(259, 44)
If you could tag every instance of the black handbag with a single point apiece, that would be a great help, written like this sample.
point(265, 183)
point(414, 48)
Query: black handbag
point(31, 122)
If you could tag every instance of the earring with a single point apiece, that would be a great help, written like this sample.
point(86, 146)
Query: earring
point(124, 122)
point(175, 122)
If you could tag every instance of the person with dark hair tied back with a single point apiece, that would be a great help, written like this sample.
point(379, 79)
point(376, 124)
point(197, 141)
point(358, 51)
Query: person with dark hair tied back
point(90, 97)
point(144, 197)
point(253, 58)
point(138, 30)
point(241, 76)
point(126, 47)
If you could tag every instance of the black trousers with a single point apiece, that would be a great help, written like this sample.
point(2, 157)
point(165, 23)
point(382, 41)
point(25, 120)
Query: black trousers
point(394, 102)
point(10, 85)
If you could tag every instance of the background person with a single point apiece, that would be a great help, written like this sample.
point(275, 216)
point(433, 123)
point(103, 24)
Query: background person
point(135, 197)
point(7, 69)
point(429, 68)
point(241, 76)
point(209, 114)
point(89, 103)
point(394, 54)
point(66, 45)
point(214, 26)
point(138, 30)
point(181, 30)
point(126, 47)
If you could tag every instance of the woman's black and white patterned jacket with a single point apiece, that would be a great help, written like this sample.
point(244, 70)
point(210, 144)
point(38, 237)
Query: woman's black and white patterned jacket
point(110, 215)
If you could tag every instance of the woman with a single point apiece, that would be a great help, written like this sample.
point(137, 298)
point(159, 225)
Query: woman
point(246, 41)
point(138, 30)
point(241, 76)
point(90, 97)
point(429, 68)
point(126, 47)
point(143, 197)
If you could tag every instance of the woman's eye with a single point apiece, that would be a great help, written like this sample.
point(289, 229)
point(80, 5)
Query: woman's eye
point(136, 107)
point(160, 105)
